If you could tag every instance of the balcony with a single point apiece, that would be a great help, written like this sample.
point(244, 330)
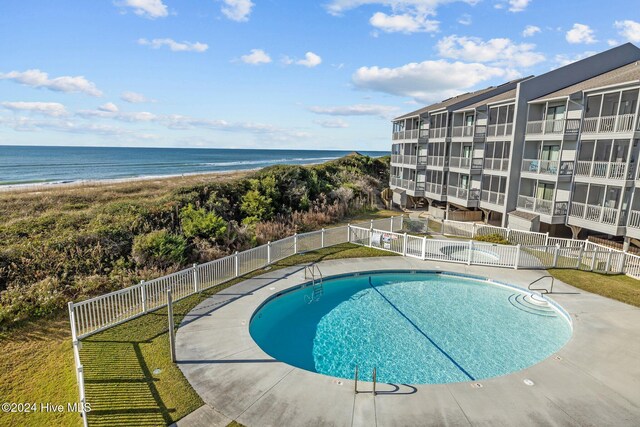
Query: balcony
point(463, 193)
point(406, 184)
point(438, 133)
point(609, 124)
point(553, 127)
point(541, 206)
point(492, 197)
point(462, 131)
point(406, 134)
point(634, 219)
point(605, 170)
point(505, 129)
point(600, 214)
point(433, 189)
point(404, 159)
point(496, 164)
point(547, 167)
point(435, 161)
point(465, 163)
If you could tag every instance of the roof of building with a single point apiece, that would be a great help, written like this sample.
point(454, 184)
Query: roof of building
point(505, 96)
point(455, 100)
point(624, 74)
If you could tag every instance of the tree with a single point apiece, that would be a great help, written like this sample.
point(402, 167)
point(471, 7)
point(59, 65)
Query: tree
point(200, 223)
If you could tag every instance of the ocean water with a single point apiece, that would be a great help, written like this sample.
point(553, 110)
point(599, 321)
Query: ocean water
point(413, 328)
point(24, 165)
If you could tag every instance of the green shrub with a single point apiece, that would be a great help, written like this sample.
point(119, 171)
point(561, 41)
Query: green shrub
point(200, 223)
point(159, 249)
point(493, 238)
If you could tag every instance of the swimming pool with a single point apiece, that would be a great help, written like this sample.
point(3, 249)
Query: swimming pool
point(413, 327)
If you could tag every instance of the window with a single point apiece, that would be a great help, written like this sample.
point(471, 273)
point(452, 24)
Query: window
point(556, 112)
point(545, 191)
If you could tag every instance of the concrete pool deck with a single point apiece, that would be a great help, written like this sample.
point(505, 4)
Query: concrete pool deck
point(593, 380)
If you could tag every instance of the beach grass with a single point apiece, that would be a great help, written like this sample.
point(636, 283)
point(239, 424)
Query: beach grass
point(121, 386)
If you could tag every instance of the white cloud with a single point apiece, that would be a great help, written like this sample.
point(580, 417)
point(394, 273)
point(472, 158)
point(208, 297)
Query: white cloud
point(564, 59)
point(109, 107)
point(135, 98)
point(403, 23)
point(465, 19)
point(174, 45)
point(237, 10)
point(256, 57)
point(310, 60)
point(383, 111)
point(580, 33)
point(427, 7)
point(147, 8)
point(53, 109)
point(518, 5)
point(628, 29)
point(332, 124)
point(40, 79)
point(612, 42)
point(495, 51)
point(428, 81)
point(530, 30)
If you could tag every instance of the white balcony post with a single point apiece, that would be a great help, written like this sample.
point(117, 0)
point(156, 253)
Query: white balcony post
point(555, 255)
point(143, 296)
point(404, 245)
point(295, 243)
point(322, 238)
point(196, 279)
point(517, 263)
point(424, 248)
point(237, 270)
point(470, 258)
point(269, 251)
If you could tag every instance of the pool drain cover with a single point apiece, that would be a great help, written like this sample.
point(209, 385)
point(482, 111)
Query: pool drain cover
point(528, 382)
point(476, 385)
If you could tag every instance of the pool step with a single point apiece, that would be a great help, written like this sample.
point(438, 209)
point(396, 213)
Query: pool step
point(527, 304)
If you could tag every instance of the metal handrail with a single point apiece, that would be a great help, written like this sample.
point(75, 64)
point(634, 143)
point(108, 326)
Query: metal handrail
point(542, 290)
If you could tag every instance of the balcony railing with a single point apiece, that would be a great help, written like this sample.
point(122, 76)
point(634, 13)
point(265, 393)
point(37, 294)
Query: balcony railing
point(438, 133)
point(433, 188)
point(435, 160)
point(503, 129)
point(608, 124)
point(605, 215)
point(533, 204)
point(634, 219)
point(496, 164)
point(462, 131)
point(553, 127)
point(492, 197)
point(548, 167)
point(404, 159)
point(407, 184)
point(463, 193)
point(609, 170)
point(480, 131)
point(465, 162)
point(406, 134)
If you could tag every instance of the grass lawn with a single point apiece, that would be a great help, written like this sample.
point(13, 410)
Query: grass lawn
point(128, 374)
point(618, 287)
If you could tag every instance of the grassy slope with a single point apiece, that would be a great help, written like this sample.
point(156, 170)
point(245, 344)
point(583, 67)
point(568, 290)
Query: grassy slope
point(119, 364)
point(618, 287)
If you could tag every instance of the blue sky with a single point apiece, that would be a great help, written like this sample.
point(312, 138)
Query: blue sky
point(271, 74)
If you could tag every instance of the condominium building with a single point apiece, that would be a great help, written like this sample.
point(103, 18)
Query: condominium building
point(556, 152)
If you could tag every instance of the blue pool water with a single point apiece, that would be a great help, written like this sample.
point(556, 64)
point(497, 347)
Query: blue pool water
point(421, 328)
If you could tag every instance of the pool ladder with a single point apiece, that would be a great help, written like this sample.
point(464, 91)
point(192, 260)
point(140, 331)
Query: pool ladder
point(313, 272)
point(374, 381)
point(542, 290)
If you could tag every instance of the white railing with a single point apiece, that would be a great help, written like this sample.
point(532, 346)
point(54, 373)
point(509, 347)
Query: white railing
point(460, 162)
point(438, 132)
point(609, 170)
point(435, 160)
point(634, 219)
point(405, 159)
point(462, 131)
point(533, 204)
point(548, 167)
point(608, 124)
point(492, 197)
point(503, 129)
point(405, 134)
point(602, 214)
point(498, 164)
point(433, 188)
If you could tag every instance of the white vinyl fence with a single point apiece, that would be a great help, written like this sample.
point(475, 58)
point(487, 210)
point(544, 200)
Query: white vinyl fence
point(97, 314)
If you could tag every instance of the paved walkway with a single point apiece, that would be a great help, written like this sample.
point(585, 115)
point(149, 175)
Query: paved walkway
point(593, 380)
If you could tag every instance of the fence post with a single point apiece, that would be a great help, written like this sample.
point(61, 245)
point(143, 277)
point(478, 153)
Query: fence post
point(606, 268)
point(391, 224)
point(269, 252)
point(623, 262)
point(348, 233)
point(546, 239)
point(295, 243)
point(404, 245)
point(370, 236)
point(593, 258)
point(515, 266)
point(78, 364)
point(473, 231)
point(470, 257)
point(371, 225)
point(143, 296)
point(509, 235)
point(555, 256)
point(322, 239)
point(196, 279)
point(401, 221)
point(235, 256)
point(424, 248)
point(580, 255)
point(172, 332)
